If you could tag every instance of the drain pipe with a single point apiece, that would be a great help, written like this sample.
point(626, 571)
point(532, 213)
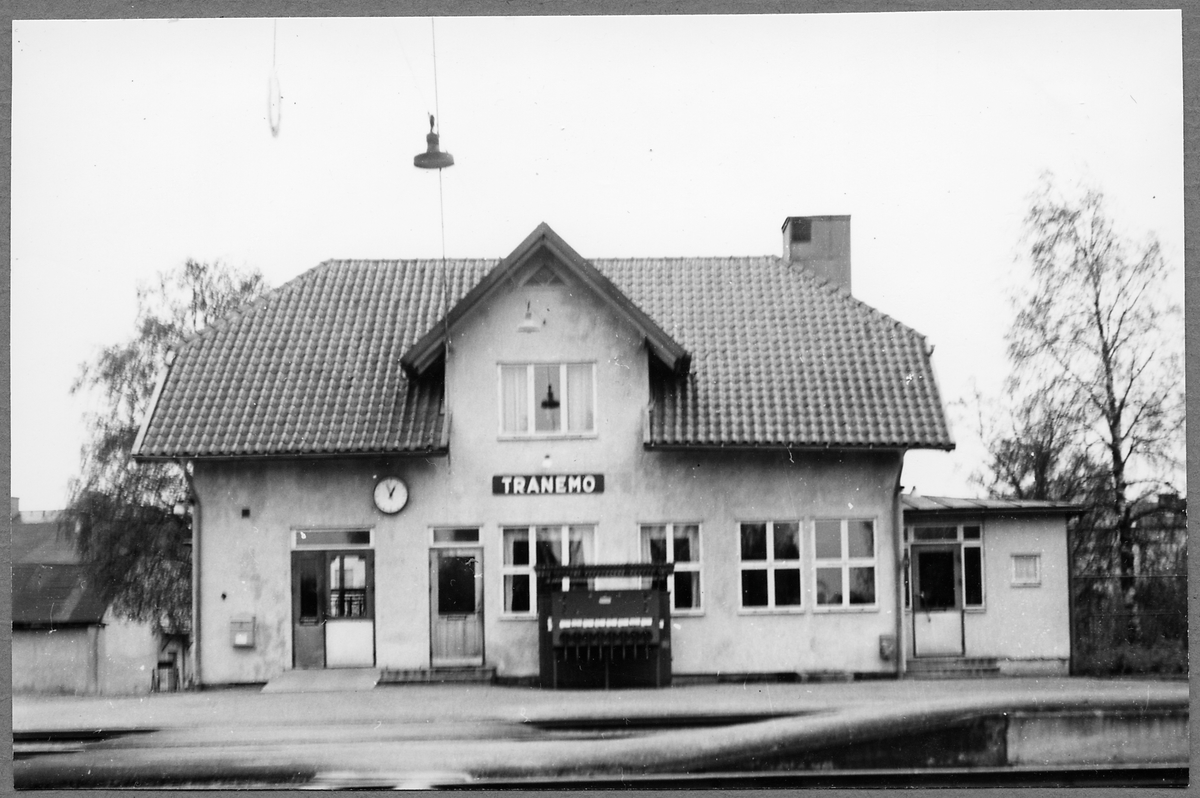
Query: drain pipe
point(898, 546)
point(194, 499)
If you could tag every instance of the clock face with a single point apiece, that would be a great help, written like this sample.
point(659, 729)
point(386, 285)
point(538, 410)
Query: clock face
point(391, 494)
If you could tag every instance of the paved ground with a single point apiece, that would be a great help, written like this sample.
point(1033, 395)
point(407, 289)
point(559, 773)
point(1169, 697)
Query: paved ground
point(403, 733)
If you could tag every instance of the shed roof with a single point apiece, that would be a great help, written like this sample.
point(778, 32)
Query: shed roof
point(777, 358)
point(916, 506)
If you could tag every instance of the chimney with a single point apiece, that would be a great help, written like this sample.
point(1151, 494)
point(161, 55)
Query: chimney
point(820, 244)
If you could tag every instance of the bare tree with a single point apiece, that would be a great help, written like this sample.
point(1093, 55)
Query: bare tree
point(1095, 348)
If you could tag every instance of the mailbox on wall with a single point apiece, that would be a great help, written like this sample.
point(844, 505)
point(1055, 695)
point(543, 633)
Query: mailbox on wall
point(241, 631)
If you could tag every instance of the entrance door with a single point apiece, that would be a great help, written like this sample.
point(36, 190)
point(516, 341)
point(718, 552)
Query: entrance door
point(333, 609)
point(937, 601)
point(456, 606)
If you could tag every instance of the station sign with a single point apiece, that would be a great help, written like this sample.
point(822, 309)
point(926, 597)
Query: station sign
point(554, 484)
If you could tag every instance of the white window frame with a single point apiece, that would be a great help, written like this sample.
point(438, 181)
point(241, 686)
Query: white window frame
point(507, 569)
point(1036, 580)
point(845, 562)
point(681, 567)
point(770, 565)
point(532, 400)
point(965, 542)
point(451, 544)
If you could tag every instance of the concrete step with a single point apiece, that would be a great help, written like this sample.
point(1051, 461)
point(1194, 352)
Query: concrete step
point(483, 674)
point(952, 667)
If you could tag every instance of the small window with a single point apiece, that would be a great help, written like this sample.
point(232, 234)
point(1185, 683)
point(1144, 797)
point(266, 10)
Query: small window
point(547, 399)
point(569, 544)
point(935, 533)
point(770, 565)
point(453, 536)
point(845, 562)
point(1027, 570)
point(680, 544)
point(330, 538)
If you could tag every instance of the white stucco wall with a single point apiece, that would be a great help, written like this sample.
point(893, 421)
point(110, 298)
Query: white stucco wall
point(129, 656)
point(245, 562)
point(55, 661)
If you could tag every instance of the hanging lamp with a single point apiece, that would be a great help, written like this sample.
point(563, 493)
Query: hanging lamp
point(433, 157)
point(550, 402)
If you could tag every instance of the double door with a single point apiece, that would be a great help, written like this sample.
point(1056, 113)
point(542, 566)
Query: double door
point(333, 609)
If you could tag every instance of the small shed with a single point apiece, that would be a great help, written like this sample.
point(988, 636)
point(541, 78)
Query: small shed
point(986, 586)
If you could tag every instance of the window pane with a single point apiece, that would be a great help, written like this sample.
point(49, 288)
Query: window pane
point(580, 543)
point(787, 587)
point(549, 545)
point(861, 538)
point(829, 540)
point(513, 398)
point(547, 398)
point(516, 593)
point(654, 544)
point(580, 416)
point(787, 541)
point(1025, 568)
point(456, 585)
point(829, 585)
point(973, 575)
point(332, 537)
point(516, 547)
point(456, 536)
point(972, 533)
point(862, 585)
point(935, 533)
point(754, 541)
point(687, 543)
point(687, 590)
point(754, 588)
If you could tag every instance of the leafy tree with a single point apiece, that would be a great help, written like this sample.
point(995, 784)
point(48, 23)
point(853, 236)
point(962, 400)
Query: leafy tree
point(127, 519)
point(1095, 348)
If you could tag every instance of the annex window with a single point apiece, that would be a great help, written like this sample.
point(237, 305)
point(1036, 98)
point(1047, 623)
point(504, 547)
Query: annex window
point(680, 544)
point(844, 551)
point(529, 546)
point(1027, 570)
point(770, 564)
point(547, 399)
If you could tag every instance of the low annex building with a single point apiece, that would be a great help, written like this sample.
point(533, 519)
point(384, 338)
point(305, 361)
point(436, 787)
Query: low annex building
point(383, 451)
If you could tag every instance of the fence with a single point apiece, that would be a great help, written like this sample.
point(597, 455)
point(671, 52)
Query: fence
point(1129, 625)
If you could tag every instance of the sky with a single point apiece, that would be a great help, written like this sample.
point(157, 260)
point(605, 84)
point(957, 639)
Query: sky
point(137, 144)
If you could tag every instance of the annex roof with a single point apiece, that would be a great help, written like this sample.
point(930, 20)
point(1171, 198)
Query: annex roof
point(755, 352)
point(50, 586)
point(917, 506)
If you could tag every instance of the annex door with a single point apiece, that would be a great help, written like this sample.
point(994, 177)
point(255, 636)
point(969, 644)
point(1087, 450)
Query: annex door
point(456, 606)
point(937, 601)
point(333, 609)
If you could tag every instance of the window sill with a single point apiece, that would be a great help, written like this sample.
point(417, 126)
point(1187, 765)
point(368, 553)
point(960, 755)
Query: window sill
point(853, 608)
point(1024, 584)
point(549, 436)
point(796, 610)
point(686, 614)
point(519, 617)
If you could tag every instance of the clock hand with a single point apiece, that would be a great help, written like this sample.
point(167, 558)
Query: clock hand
point(391, 491)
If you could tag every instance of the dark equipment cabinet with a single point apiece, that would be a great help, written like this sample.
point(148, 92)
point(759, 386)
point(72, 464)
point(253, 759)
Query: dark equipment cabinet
point(592, 638)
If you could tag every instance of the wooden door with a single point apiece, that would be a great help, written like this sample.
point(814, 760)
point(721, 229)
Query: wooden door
point(456, 606)
point(937, 601)
point(309, 597)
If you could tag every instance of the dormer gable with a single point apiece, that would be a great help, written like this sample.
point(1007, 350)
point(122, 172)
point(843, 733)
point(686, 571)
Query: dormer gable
point(544, 258)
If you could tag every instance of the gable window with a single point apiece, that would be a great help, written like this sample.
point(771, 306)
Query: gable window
point(547, 399)
point(770, 564)
point(844, 551)
point(560, 544)
point(680, 544)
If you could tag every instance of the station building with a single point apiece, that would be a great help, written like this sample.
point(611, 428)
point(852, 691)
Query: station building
point(382, 451)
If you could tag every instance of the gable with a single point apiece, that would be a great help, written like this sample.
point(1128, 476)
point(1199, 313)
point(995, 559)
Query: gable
point(542, 254)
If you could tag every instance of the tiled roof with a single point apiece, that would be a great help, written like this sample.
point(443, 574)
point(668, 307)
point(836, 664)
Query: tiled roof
point(777, 359)
point(945, 505)
point(57, 594)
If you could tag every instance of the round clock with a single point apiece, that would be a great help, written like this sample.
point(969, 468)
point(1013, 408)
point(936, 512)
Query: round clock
point(391, 494)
